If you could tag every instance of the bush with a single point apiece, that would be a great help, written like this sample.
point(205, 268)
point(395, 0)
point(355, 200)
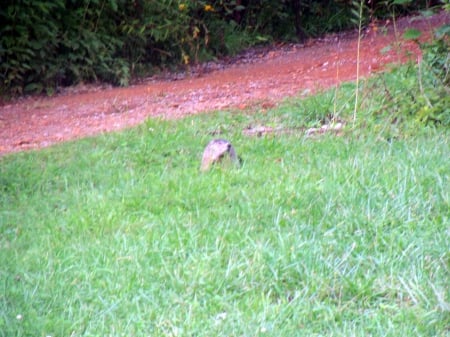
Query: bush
point(416, 94)
point(28, 46)
point(435, 79)
point(45, 44)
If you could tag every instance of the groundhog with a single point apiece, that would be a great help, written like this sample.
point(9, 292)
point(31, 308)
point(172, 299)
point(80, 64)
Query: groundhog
point(215, 151)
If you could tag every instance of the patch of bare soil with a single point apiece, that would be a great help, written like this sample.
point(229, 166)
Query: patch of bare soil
point(259, 77)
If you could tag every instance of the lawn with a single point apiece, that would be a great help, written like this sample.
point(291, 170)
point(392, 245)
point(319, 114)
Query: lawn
point(332, 235)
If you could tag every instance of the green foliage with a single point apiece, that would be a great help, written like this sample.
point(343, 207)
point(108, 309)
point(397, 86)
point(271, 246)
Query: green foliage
point(389, 8)
point(45, 44)
point(436, 77)
point(436, 57)
point(407, 96)
point(430, 97)
point(28, 45)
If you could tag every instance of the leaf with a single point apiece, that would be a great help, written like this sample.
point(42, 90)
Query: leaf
point(113, 4)
point(386, 49)
point(427, 13)
point(34, 87)
point(443, 31)
point(412, 34)
point(355, 13)
point(401, 2)
point(262, 38)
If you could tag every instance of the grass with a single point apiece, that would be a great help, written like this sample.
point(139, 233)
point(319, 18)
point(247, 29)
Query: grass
point(120, 235)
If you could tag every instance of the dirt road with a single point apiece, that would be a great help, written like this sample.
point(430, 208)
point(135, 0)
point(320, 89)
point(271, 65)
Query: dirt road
point(262, 76)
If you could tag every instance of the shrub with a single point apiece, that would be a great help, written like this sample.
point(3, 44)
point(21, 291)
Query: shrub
point(435, 79)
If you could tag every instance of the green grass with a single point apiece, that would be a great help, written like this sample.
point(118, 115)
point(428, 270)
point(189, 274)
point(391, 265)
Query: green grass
point(120, 235)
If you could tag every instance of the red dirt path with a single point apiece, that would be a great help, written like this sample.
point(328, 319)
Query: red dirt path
point(260, 77)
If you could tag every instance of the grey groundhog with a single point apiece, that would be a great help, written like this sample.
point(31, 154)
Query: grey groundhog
point(215, 151)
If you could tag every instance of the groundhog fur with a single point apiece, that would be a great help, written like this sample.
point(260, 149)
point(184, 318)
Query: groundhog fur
point(215, 152)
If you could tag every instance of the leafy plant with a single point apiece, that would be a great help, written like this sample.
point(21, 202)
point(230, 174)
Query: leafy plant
point(434, 82)
point(433, 103)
